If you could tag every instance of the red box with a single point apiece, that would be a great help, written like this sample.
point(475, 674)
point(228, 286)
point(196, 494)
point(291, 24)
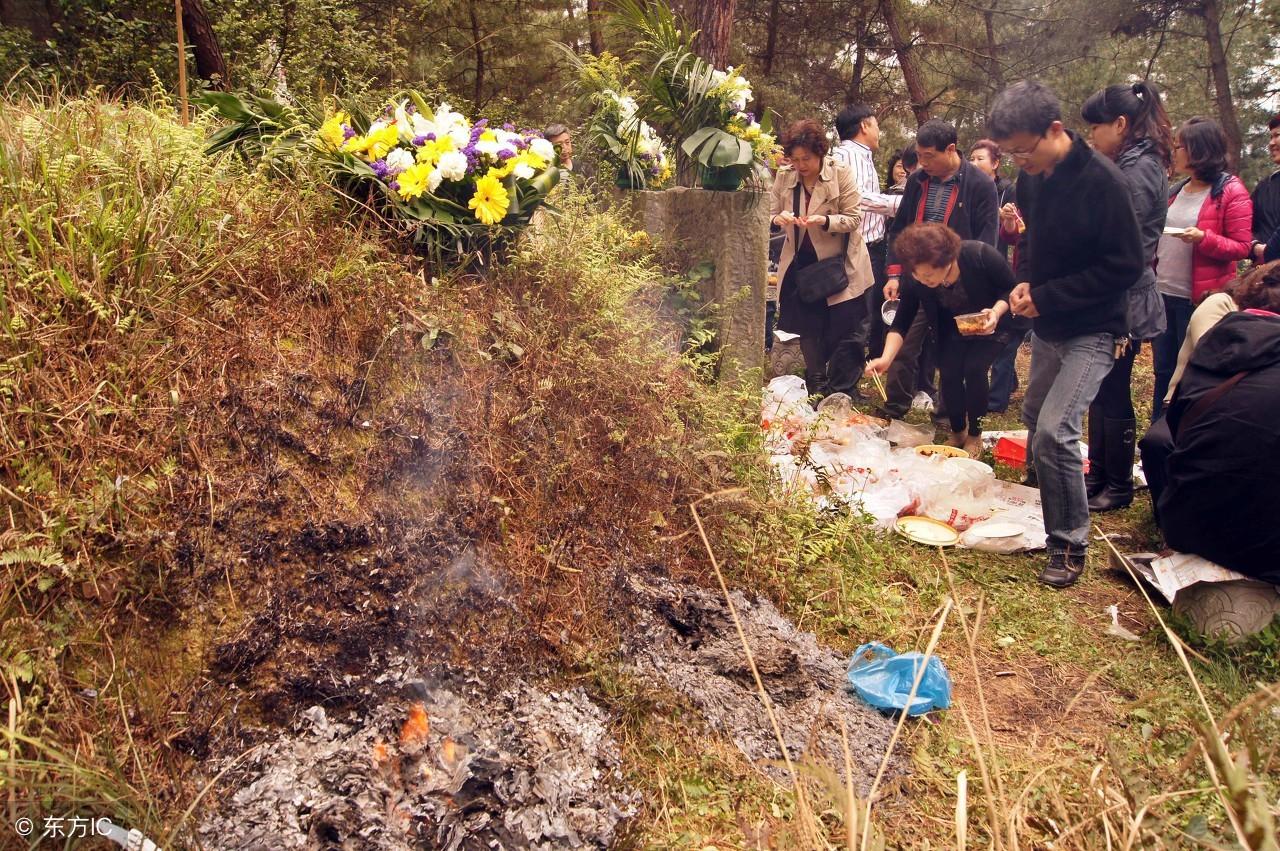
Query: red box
point(1012, 451)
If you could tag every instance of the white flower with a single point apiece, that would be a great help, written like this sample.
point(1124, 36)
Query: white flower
point(523, 171)
point(399, 159)
point(543, 148)
point(453, 165)
point(461, 135)
point(736, 88)
point(403, 124)
point(447, 119)
point(486, 147)
point(433, 180)
point(421, 125)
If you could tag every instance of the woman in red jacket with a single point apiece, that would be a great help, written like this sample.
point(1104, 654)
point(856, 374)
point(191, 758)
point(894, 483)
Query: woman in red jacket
point(1207, 232)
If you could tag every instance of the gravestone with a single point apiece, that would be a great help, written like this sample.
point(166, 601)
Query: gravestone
point(731, 230)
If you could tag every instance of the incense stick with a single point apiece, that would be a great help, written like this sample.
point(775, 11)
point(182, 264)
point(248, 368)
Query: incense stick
point(875, 379)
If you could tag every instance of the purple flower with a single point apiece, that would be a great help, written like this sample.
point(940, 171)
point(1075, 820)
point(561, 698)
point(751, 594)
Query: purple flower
point(410, 109)
point(380, 169)
point(751, 116)
point(419, 141)
point(394, 185)
point(482, 123)
point(347, 132)
point(505, 154)
point(655, 171)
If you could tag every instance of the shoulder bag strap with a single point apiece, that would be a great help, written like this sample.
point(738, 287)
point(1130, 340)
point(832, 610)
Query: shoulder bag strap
point(796, 205)
point(1206, 402)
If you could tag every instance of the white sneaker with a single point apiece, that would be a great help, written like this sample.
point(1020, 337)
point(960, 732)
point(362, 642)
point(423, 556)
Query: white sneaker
point(922, 402)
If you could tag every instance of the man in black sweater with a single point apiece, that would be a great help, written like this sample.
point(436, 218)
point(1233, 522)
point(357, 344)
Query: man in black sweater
point(948, 190)
point(1081, 252)
point(1266, 205)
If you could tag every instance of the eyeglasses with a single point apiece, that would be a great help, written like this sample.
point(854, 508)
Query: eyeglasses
point(1025, 155)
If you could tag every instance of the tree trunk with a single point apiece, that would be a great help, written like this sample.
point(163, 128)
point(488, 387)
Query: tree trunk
point(204, 44)
point(771, 42)
point(594, 30)
point(35, 16)
point(714, 22)
point(1211, 12)
point(994, 70)
point(902, 47)
point(853, 94)
point(477, 45)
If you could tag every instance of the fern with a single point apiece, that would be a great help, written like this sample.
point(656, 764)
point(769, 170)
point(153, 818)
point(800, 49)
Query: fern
point(42, 556)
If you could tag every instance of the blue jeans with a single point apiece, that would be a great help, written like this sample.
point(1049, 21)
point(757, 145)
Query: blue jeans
point(1065, 376)
point(1165, 348)
point(1004, 375)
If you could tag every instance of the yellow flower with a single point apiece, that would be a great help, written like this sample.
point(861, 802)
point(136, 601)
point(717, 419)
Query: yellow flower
point(490, 200)
point(382, 141)
point(331, 132)
point(413, 180)
point(431, 151)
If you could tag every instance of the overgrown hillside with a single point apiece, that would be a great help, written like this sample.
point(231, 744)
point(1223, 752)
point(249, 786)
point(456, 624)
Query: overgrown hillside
point(247, 447)
point(287, 515)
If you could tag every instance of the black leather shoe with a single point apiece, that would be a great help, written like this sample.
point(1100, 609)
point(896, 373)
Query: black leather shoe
point(1063, 570)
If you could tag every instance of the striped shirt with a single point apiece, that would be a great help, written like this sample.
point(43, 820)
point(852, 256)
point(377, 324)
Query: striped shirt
point(875, 205)
point(940, 192)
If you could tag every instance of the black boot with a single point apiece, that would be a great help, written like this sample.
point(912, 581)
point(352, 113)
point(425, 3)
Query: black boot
point(1120, 437)
point(1096, 479)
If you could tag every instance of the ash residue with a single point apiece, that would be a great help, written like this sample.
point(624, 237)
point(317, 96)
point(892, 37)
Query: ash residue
point(684, 640)
point(457, 767)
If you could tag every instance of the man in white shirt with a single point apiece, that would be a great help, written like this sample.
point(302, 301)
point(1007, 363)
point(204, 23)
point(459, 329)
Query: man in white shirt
point(859, 133)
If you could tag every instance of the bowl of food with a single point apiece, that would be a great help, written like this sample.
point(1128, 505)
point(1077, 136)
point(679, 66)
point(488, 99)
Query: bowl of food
point(939, 449)
point(971, 324)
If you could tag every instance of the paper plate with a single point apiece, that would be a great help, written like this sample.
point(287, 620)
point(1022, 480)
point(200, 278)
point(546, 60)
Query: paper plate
point(939, 449)
point(996, 529)
point(973, 464)
point(926, 530)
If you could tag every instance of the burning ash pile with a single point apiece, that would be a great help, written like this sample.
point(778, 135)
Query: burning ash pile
point(468, 767)
point(684, 640)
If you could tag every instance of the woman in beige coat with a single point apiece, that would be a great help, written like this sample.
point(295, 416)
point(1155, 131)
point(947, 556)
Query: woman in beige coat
point(815, 202)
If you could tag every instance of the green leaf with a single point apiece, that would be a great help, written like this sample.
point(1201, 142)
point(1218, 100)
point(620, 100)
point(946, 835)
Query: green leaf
point(227, 105)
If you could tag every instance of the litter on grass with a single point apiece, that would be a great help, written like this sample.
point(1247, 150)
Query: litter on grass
point(839, 457)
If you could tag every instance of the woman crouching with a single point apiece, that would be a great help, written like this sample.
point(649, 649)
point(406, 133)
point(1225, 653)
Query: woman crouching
point(963, 287)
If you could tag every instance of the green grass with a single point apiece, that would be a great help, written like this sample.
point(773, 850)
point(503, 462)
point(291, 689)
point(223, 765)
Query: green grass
point(1135, 720)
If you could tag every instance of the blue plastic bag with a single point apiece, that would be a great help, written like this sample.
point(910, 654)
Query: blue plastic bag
point(883, 679)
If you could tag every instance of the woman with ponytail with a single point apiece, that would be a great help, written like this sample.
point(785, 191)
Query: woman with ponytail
point(1128, 125)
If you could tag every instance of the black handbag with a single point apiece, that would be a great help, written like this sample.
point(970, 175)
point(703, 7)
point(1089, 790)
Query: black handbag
point(823, 278)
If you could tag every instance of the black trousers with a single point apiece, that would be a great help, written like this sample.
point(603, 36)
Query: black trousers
point(834, 359)
point(1155, 448)
point(876, 329)
point(964, 365)
point(1115, 399)
point(912, 369)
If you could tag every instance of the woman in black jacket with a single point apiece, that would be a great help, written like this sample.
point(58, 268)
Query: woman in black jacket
point(1128, 125)
point(948, 278)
